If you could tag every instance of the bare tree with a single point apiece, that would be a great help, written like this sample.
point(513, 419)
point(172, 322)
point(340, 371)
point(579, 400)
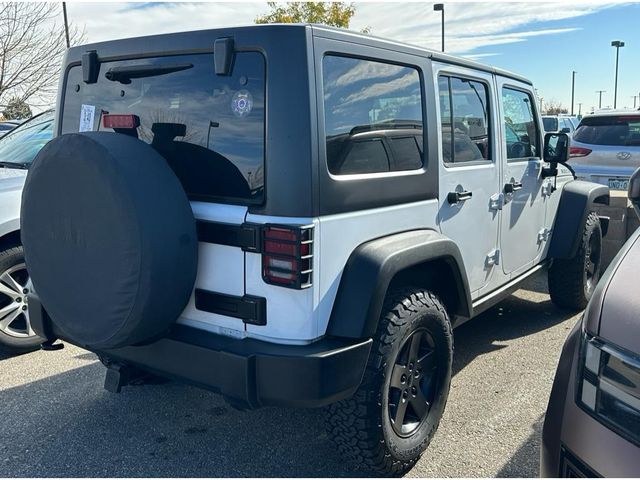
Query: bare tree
point(554, 107)
point(32, 42)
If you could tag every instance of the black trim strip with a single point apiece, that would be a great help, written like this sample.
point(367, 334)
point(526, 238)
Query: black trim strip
point(249, 309)
point(246, 236)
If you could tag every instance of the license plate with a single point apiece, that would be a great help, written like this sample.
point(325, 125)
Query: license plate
point(618, 184)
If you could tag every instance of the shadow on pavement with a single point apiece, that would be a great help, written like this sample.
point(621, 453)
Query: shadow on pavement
point(67, 425)
point(512, 318)
point(526, 461)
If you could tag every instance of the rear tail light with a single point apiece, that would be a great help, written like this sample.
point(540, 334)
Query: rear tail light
point(120, 121)
point(579, 152)
point(287, 254)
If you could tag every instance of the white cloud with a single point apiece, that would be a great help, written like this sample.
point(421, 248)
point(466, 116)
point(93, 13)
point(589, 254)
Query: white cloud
point(469, 25)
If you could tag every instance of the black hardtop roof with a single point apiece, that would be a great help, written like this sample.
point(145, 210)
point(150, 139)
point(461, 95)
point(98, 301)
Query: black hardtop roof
point(197, 39)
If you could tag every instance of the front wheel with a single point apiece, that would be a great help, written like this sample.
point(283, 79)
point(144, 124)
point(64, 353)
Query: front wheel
point(392, 417)
point(15, 327)
point(572, 280)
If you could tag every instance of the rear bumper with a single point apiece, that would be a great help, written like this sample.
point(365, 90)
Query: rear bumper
point(253, 372)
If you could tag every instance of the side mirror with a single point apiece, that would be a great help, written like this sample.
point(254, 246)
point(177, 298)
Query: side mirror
point(565, 130)
point(634, 191)
point(556, 148)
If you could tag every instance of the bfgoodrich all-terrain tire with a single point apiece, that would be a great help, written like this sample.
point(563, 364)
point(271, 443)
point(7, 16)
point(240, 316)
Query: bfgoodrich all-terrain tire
point(391, 419)
point(15, 328)
point(572, 280)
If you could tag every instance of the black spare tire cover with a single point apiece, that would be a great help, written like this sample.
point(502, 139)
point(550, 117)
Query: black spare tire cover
point(109, 239)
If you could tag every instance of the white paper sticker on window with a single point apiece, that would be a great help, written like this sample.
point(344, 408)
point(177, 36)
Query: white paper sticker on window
point(87, 112)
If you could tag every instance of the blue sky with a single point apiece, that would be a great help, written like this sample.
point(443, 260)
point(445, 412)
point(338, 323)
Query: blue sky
point(549, 59)
point(543, 41)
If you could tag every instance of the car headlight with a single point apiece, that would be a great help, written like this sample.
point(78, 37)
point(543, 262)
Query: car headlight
point(609, 386)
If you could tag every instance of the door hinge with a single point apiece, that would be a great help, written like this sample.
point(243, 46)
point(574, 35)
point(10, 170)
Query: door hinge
point(543, 235)
point(493, 258)
point(547, 189)
point(496, 201)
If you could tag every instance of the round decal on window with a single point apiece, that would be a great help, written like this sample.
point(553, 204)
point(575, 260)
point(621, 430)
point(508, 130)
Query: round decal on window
point(242, 103)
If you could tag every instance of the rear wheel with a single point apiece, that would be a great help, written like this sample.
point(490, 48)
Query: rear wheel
point(572, 280)
point(15, 327)
point(394, 414)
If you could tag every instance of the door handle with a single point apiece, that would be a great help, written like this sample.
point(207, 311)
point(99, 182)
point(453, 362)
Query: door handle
point(512, 187)
point(457, 197)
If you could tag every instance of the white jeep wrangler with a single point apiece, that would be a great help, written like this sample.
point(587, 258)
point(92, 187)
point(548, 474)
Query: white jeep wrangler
point(297, 215)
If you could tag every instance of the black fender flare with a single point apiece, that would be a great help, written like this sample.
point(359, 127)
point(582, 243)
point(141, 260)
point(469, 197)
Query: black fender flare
point(576, 202)
point(373, 265)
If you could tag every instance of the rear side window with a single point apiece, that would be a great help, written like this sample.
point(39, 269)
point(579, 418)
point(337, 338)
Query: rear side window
point(208, 127)
point(521, 129)
point(612, 130)
point(373, 116)
point(464, 120)
point(550, 124)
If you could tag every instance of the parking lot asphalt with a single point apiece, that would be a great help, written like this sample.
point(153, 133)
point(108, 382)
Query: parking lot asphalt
point(57, 420)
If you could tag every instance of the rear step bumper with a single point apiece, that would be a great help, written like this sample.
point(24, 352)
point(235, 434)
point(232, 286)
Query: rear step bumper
point(253, 372)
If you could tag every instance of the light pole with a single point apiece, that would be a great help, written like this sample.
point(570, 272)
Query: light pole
point(439, 7)
point(600, 92)
point(618, 44)
point(540, 105)
point(66, 24)
point(635, 97)
point(579, 109)
point(573, 89)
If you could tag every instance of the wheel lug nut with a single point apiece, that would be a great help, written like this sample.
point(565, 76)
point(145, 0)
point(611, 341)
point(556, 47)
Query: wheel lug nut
point(405, 394)
point(414, 391)
point(24, 307)
point(403, 378)
point(18, 299)
point(411, 366)
point(25, 291)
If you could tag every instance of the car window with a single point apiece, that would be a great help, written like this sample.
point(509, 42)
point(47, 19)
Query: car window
point(209, 128)
point(369, 107)
point(464, 120)
point(566, 123)
point(612, 130)
point(520, 125)
point(366, 156)
point(22, 144)
point(407, 154)
point(550, 124)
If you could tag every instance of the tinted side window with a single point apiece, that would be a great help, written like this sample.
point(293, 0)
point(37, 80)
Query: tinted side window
point(521, 130)
point(406, 153)
point(550, 124)
point(368, 156)
point(368, 106)
point(464, 116)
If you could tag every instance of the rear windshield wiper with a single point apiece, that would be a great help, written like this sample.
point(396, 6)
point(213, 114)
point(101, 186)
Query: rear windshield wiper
point(125, 74)
point(22, 166)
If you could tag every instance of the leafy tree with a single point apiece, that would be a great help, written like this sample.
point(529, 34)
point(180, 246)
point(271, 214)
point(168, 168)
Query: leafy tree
point(16, 109)
point(335, 14)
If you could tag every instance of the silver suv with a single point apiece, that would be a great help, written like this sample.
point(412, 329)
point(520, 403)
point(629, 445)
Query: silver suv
point(606, 148)
point(298, 215)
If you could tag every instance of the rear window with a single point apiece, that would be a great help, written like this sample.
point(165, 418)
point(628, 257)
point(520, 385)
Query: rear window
point(209, 128)
point(613, 130)
point(550, 124)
